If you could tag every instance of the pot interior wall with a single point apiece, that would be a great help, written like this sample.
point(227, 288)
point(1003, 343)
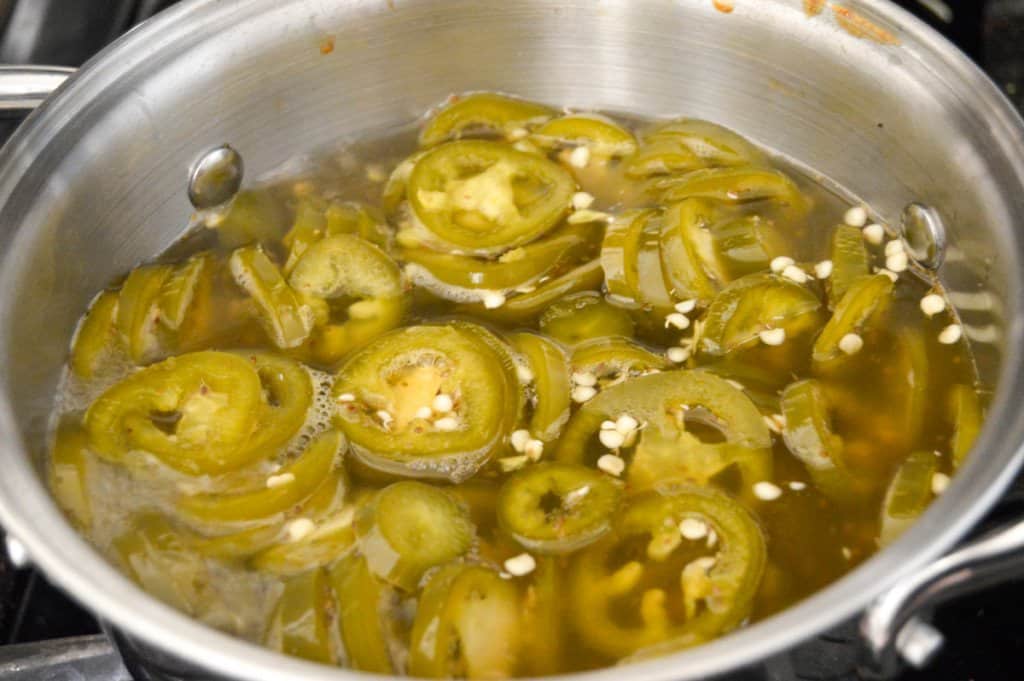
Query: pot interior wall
point(108, 189)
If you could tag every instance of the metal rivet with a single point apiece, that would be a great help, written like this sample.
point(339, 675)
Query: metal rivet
point(215, 177)
point(17, 553)
point(918, 642)
point(924, 234)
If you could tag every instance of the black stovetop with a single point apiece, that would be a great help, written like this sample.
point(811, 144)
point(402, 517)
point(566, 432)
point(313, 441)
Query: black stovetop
point(984, 633)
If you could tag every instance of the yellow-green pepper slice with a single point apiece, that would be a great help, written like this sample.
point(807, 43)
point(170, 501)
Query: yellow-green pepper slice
point(179, 290)
point(238, 545)
point(381, 390)
point(745, 245)
point(677, 595)
point(600, 134)
point(551, 386)
point(410, 527)
point(301, 623)
point(316, 219)
point(524, 308)
point(619, 251)
point(849, 262)
point(755, 304)
point(613, 360)
point(195, 412)
point(713, 144)
point(661, 157)
point(138, 313)
point(288, 391)
point(583, 316)
point(908, 496)
point(809, 436)
point(96, 336)
point(254, 215)
point(482, 112)
point(467, 625)
point(362, 621)
point(688, 259)
point(332, 540)
point(347, 268)
point(556, 508)
point(307, 472)
point(543, 629)
point(287, 320)
point(966, 416)
point(69, 472)
point(485, 197)
point(739, 185)
point(861, 309)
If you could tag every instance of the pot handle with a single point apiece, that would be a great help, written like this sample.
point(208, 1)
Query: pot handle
point(894, 630)
point(23, 88)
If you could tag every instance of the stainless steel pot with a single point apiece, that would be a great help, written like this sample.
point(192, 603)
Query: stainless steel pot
point(95, 181)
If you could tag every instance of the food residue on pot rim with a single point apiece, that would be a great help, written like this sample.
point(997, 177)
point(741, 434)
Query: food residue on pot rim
point(724, 6)
point(814, 7)
point(860, 26)
point(327, 45)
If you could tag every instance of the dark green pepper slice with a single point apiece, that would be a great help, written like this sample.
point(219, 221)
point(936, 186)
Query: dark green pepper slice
point(551, 386)
point(467, 625)
point(966, 416)
point(740, 185)
point(676, 596)
point(301, 623)
point(849, 262)
point(745, 245)
point(714, 144)
point(195, 412)
point(556, 508)
point(908, 496)
point(601, 135)
point(526, 307)
point(810, 437)
point(254, 215)
point(381, 390)
point(861, 309)
point(752, 305)
point(138, 313)
point(362, 606)
point(96, 336)
point(410, 527)
point(330, 541)
point(583, 316)
point(287, 320)
point(543, 631)
point(613, 360)
point(688, 259)
point(619, 251)
point(69, 472)
point(485, 198)
point(482, 112)
point(288, 391)
point(307, 472)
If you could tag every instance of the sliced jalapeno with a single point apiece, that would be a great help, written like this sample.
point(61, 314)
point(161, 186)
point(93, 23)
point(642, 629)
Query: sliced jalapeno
point(583, 316)
point(305, 475)
point(301, 623)
point(543, 631)
point(308, 227)
point(908, 496)
point(744, 310)
point(745, 245)
point(849, 262)
point(688, 260)
point(661, 157)
point(551, 386)
point(287, 320)
point(485, 198)
point(601, 135)
point(713, 144)
point(680, 407)
point(555, 508)
point(619, 251)
point(482, 112)
point(238, 545)
point(674, 597)
point(527, 306)
point(69, 473)
point(810, 437)
point(289, 395)
point(362, 608)
point(96, 335)
point(467, 625)
point(738, 185)
point(195, 412)
point(965, 410)
point(179, 290)
point(254, 215)
point(461, 278)
point(345, 267)
point(410, 527)
point(382, 390)
point(316, 219)
point(330, 541)
point(865, 303)
point(395, 188)
point(358, 219)
point(613, 360)
point(138, 314)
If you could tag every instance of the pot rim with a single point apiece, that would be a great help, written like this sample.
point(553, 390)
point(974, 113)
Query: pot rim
point(29, 514)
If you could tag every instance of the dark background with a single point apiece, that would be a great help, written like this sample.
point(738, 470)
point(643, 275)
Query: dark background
point(985, 634)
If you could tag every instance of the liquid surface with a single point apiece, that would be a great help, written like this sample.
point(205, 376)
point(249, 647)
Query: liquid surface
point(517, 392)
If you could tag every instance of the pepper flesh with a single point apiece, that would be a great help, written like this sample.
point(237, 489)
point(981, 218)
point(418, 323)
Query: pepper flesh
point(550, 369)
point(301, 625)
point(482, 111)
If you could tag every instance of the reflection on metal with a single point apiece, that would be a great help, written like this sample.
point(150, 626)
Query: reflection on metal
point(925, 235)
point(215, 178)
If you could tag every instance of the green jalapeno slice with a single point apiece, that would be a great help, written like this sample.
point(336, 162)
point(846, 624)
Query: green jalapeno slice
point(861, 309)
point(485, 198)
point(966, 415)
point(740, 185)
point(138, 313)
point(301, 623)
point(674, 594)
point(549, 368)
point(614, 359)
point(69, 472)
point(908, 496)
point(583, 316)
point(849, 262)
point(179, 290)
point(410, 527)
point(543, 632)
point(688, 259)
point(482, 112)
point(96, 336)
point(287, 320)
point(332, 540)
point(363, 602)
point(467, 625)
point(713, 144)
point(601, 135)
